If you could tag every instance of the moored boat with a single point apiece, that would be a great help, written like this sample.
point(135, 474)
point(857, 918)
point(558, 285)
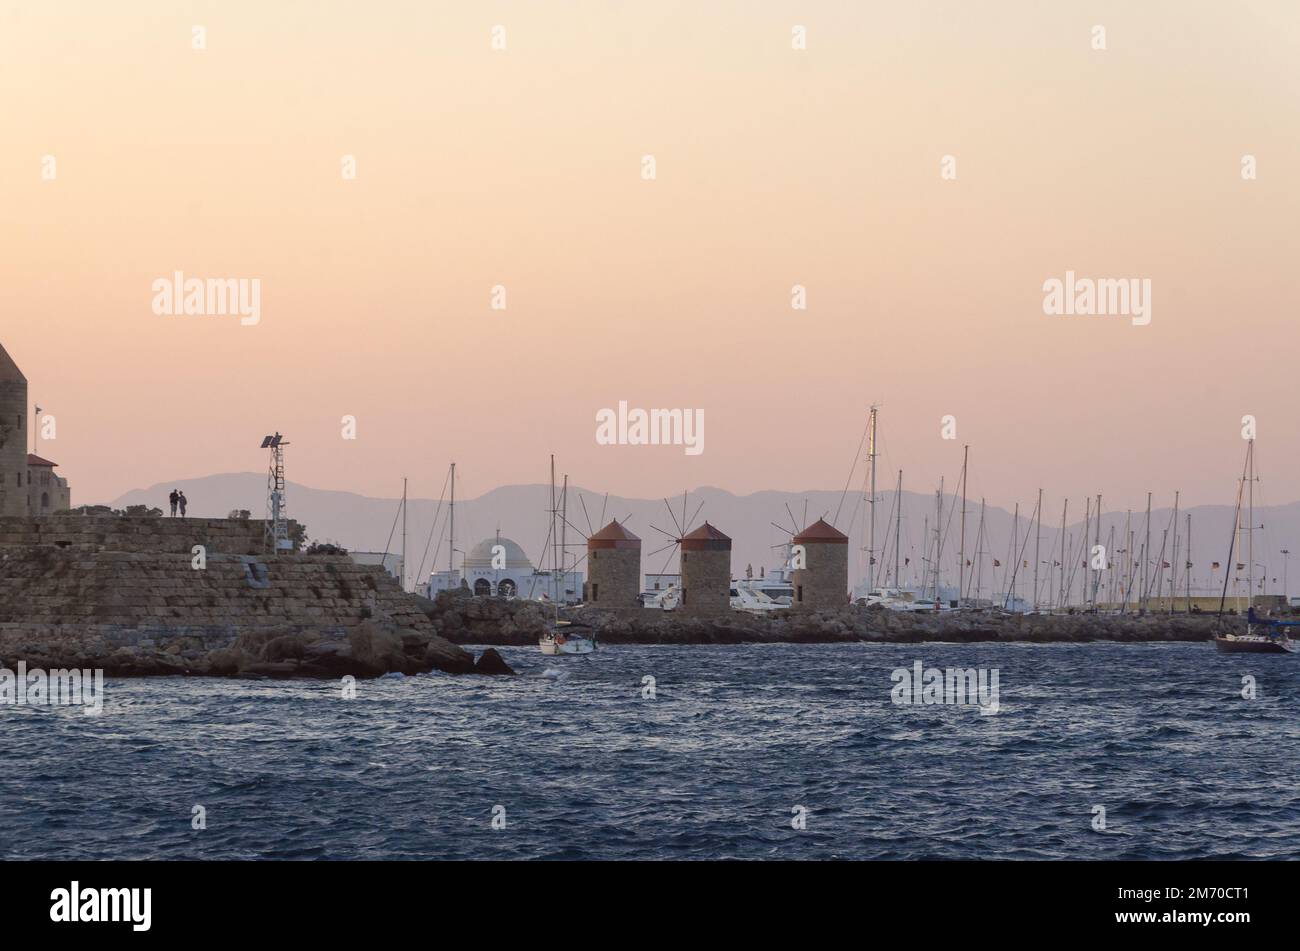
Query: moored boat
point(1254, 644)
point(564, 638)
point(1263, 635)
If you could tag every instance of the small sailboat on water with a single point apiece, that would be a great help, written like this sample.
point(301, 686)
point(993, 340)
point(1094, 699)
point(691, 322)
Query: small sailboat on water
point(564, 637)
point(1263, 635)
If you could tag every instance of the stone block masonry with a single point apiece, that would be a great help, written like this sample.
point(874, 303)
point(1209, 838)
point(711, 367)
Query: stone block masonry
point(137, 534)
point(123, 594)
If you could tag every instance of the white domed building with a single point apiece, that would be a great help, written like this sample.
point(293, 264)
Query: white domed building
point(499, 567)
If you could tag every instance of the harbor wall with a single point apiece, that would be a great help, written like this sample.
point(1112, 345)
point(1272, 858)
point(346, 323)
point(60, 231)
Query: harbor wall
point(144, 533)
point(127, 595)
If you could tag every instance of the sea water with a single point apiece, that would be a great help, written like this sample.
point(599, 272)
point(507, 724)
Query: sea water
point(1149, 751)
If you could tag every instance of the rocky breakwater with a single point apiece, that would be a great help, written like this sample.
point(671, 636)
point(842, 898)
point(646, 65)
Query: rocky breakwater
point(464, 619)
point(138, 612)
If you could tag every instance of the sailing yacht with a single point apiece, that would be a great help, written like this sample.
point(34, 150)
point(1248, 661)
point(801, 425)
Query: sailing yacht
point(564, 637)
point(1263, 635)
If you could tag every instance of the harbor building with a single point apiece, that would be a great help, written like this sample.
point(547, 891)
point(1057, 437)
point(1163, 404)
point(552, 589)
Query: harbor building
point(28, 485)
point(614, 566)
point(498, 567)
point(391, 562)
point(821, 576)
point(46, 492)
point(706, 571)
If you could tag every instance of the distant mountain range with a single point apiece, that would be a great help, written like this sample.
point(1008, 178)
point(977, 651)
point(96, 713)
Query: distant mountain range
point(520, 512)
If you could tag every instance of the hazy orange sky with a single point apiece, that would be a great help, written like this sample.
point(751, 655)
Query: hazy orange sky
point(775, 167)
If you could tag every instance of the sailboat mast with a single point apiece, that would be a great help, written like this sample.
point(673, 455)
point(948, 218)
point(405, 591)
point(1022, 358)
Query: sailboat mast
point(1173, 559)
point(1234, 544)
point(1087, 522)
point(1128, 559)
point(871, 501)
point(1250, 538)
point(555, 539)
point(1110, 551)
point(564, 522)
point(1010, 596)
point(898, 526)
point(920, 571)
point(938, 543)
point(451, 534)
point(1065, 507)
point(1096, 542)
point(1038, 538)
point(961, 550)
point(403, 533)
point(1189, 563)
point(1160, 569)
point(1146, 555)
point(979, 563)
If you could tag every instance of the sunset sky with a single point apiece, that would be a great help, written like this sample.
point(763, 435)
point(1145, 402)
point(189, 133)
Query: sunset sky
point(775, 166)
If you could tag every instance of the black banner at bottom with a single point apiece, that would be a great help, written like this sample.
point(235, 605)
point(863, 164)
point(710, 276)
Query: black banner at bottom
point(333, 900)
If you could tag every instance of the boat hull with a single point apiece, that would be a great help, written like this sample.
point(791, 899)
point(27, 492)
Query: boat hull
point(1254, 644)
point(569, 645)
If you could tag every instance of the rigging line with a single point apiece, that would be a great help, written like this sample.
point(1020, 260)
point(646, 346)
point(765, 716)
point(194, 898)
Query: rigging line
point(1079, 557)
point(434, 526)
point(542, 560)
point(1020, 557)
point(854, 468)
point(391, 531)
point(886, 549)
point(1227, 573)
point(948, 525)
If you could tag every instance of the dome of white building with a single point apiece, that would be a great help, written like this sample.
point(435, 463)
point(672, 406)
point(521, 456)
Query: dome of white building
point(480, 556)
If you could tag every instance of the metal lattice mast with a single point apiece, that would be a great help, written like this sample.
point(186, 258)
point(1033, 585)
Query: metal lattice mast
point(277, 524)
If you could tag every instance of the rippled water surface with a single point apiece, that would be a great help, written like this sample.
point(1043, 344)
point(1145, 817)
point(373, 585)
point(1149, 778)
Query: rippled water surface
point(1158, 735)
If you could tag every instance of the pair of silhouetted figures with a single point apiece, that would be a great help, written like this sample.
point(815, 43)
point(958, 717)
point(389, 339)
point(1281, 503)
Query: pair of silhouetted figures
point(178, 500)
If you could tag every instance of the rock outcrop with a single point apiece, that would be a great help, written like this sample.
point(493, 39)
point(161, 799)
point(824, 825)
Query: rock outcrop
point(490, 662)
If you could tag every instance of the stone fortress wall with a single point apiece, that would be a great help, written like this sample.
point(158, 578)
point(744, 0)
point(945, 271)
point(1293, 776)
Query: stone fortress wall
point(123, 593)
point(119, 533)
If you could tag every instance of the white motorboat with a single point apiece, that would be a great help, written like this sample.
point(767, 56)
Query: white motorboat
point(563, 638)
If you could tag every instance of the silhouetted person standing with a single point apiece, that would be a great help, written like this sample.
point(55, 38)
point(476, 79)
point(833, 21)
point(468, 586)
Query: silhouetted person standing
point(182, 500)
point(174, 498)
